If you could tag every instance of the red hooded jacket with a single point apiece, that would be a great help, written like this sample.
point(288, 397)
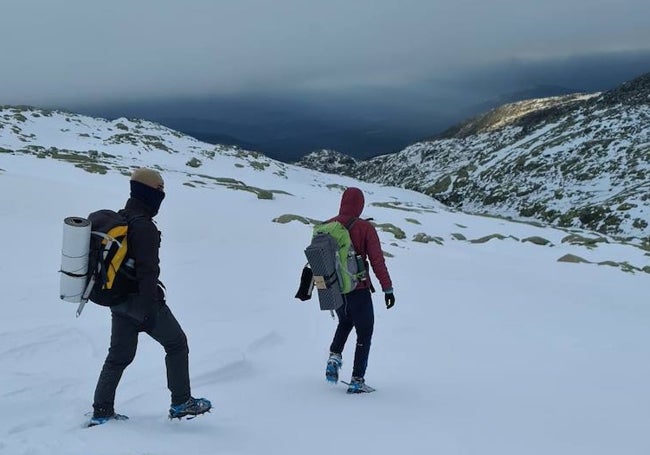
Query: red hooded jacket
point(364, 237)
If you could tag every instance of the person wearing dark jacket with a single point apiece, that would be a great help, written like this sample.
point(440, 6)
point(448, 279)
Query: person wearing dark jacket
point(357, 311)
point(141, 307)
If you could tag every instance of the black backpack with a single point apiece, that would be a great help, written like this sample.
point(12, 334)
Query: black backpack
point(111, 275)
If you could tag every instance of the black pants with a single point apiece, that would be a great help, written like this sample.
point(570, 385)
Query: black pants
point(124, 341)
point(356, 312)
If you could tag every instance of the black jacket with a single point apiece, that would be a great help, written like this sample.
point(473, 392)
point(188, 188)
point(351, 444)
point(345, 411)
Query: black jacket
point(143, 247)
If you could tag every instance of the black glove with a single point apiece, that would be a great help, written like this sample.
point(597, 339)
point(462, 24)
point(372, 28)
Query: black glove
point(389, 297)
point(306, 281)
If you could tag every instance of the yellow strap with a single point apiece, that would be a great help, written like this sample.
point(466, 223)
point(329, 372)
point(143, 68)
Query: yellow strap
point(118, 233)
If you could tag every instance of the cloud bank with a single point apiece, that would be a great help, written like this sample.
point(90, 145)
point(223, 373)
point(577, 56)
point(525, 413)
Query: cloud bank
point(76, 50)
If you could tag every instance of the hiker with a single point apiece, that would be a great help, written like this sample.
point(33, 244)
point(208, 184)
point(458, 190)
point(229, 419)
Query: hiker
point(357, 309)
point(143, 309)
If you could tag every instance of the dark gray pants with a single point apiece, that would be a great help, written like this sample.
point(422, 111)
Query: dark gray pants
point(357, 313)
point(124, 341)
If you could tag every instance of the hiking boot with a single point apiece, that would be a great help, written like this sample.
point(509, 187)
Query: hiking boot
point(100, 420)
point(358, 385)
point(334, 364)
point(192, 408)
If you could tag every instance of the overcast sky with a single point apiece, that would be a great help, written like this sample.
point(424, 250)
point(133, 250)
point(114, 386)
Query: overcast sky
point(83, 50)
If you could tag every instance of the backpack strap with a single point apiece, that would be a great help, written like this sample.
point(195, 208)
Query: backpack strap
point(366, 278)
point(129, 261)
point(349, 224)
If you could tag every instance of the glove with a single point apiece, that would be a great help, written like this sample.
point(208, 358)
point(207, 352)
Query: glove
point(306, 281)
point(389, 297)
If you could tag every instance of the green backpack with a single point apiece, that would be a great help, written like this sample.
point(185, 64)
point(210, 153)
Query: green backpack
point(348, 265)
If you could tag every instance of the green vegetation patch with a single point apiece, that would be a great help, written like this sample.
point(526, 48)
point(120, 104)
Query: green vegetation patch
point(421, 237)
point(645, 244)
point(576, 239)
point(596, 218)
point(626, 267)
point(392, 229)
point(222, 180)
point(240, 153)
point(537, 240)
point(261, 193)
point(259, 165)
point(125, 138)
point(239, 185)
point(336, 186)
point(572, 258)
point(159, 145)
point(458, 236)
point(440, 186)
point(397, 206)
point(288, 217)
point(626, 206)
point(286, 193)
point(83, 160)
point(194, 162)
point(487, 238)
point(412, 220)
point(124, 170)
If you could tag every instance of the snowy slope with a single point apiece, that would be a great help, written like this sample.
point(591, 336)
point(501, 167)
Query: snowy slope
point(493, 347)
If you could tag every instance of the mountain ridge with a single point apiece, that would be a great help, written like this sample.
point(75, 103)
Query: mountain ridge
point(579, 160)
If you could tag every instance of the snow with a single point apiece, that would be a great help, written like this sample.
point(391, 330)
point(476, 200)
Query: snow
point(491, 348)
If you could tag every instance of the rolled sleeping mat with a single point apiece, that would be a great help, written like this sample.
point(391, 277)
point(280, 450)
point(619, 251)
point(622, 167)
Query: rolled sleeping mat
point(74, 258)
point(323, 266)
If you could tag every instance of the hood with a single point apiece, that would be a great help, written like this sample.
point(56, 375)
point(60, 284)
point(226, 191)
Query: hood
point(352, 202)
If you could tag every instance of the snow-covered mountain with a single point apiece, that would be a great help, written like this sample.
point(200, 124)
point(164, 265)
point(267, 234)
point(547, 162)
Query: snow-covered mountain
point(572, 161)
point(99, 146)
point(507, 338)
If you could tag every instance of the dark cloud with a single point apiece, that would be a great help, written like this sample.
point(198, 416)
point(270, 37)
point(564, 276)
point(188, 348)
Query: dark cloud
point(81, 50)
point(372, 120)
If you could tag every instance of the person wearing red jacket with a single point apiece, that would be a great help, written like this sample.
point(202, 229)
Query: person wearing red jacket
point(357, 311)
